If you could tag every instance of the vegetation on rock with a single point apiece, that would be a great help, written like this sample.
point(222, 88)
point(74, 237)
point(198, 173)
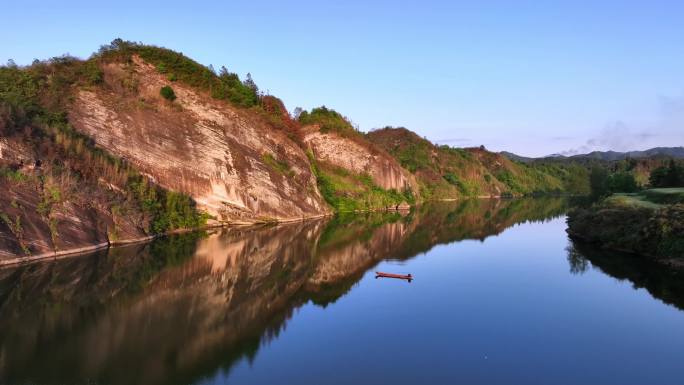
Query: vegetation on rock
point(33, 103)
point(447, 172)
point(224, 85)
point(346, 191)
point(167, 93)
point(328, 120)
point(64, 167)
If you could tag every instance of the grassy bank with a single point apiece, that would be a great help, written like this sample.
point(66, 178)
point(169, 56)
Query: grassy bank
point(650, 223)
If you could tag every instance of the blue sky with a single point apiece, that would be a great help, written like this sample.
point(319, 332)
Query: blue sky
point(529, 77)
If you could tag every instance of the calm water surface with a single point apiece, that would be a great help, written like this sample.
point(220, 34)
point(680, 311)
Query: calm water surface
point(500, 296)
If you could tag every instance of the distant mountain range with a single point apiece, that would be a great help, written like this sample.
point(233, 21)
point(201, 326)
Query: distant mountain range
point(674, 152)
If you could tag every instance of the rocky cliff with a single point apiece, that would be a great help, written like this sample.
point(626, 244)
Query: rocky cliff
point(50, 206)
point(358, 156)
point(93, 152)
point(230, 160)
point(138, 140)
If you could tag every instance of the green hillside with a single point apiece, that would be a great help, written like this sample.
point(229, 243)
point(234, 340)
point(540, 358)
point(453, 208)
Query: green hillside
point(446, 172)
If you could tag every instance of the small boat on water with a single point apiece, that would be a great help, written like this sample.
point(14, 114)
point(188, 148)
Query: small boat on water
point(379, 274)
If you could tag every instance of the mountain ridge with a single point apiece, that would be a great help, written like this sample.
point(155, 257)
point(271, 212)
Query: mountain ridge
point(675, 152)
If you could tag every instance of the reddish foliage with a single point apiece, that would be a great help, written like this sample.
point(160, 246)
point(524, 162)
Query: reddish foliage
point(277, 113)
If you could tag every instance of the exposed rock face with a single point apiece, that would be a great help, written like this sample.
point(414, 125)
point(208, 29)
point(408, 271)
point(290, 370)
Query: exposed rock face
point(359, 157)
point(36, 224)
point(235, 163)
point(236, 166)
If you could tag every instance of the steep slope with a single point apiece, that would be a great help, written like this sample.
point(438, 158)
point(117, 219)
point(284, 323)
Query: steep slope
point(358, 157)
point(230, 160)
point(61, 194)
point(353, 172)
point(140, 140)
point(445, 172)
point(519, 178)
point(46, 209)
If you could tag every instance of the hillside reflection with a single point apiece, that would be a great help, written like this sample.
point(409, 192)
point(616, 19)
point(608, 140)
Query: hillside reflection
point(178, 309)
point(661, 282)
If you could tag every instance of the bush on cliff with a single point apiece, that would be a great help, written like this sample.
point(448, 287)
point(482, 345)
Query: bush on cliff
point(32, 105)
point(167, 93)
point(328, 120)
point(226, 85)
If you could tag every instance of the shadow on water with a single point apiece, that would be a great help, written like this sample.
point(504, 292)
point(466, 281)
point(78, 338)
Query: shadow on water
point(178, 309)
point(661, 282)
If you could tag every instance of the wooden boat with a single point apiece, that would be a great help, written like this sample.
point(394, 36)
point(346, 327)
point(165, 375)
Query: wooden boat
point(407, 277)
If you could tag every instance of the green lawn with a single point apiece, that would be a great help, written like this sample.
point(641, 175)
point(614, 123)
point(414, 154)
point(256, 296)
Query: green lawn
point(630, 200)
point(653, 198)
point(670, 195)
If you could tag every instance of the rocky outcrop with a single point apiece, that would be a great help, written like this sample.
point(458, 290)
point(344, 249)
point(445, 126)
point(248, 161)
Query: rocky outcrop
point(237, 164)
point(360, 157)
point(234, 165)
point(46, 213)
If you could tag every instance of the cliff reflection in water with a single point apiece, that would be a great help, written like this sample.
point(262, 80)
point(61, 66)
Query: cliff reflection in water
point(177, 309)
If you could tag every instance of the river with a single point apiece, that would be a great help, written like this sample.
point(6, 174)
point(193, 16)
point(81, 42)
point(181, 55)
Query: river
point(500, 296)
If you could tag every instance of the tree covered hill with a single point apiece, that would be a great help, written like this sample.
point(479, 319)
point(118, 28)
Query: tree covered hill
point(138, 140)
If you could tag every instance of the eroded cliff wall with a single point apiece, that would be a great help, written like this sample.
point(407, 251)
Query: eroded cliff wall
point(235, 166)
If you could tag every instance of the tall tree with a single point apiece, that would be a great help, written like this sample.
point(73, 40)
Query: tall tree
point(598, 181)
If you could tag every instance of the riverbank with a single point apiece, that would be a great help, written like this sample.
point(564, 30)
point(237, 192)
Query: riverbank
point(634, 223)
point(86, 249)
point(73, 252)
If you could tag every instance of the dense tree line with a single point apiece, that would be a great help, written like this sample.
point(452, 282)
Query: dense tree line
point(671, 175)
point(604, 183)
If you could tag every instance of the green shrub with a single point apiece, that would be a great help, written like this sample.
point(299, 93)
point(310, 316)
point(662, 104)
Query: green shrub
point(454, 180)
point(280, 166)
point(510, 180)
point(13, 175)
point(327, 119)
point(167, 93)
point(92, 73)
point(225, 85)
point(414, 157)
point(347, 192)
point(671, 175)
